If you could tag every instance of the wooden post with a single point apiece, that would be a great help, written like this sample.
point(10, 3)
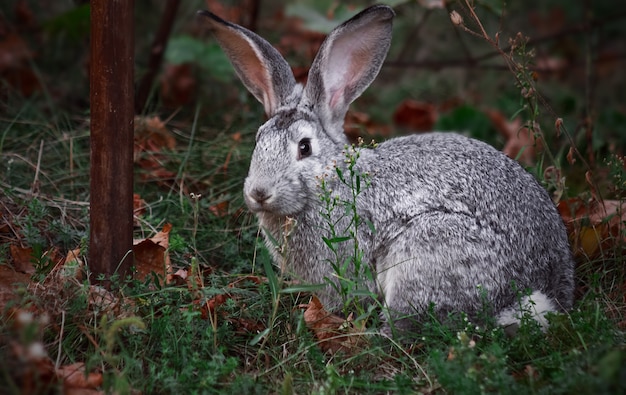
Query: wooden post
point(112, 128)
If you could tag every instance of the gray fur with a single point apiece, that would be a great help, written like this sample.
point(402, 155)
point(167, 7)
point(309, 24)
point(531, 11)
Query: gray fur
point(456, 221)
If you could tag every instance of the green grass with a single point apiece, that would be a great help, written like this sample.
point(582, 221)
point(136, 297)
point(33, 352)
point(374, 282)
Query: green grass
point(257, 341)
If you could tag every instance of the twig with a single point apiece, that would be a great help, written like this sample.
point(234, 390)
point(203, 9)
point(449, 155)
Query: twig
point(589, 91)
point(583, 28)
point(35, 185)
point(58, 361)
point(156, 54)
point(28, 193)
point(475, 63)
point(255, 7)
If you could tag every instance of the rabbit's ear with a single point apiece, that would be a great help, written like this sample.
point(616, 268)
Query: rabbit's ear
point(347, 63)
point(261, 68)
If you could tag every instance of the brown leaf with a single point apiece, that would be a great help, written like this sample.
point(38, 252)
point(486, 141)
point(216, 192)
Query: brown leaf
point(22, 259)
point(178, 278)
point(15, 69)
point(151, 254)
point(217, 301)
point(594, 226)
point(154, 172)
point(208, 308)
point(73, 265)
point(139, 205)
point(151, 134)
point(415, 115)
point(570, 156)
point(14, 53)
point(100, 299)
point(227, 12)
point(178, 85)
point(8, 280)
point(246, 325)
point(359, 124)
point(547, 23)
point(74, 377)
point(24, 14)
point(151, 138)
point(520, 141)
point(220, 209)
point(333, 332)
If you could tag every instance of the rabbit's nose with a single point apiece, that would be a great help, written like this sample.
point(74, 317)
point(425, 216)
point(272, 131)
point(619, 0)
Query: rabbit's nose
point(260, 195)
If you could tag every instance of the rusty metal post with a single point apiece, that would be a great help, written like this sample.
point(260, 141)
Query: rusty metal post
point(112, 124)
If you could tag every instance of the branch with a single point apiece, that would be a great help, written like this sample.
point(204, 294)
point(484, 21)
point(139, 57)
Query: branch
point(156, 54)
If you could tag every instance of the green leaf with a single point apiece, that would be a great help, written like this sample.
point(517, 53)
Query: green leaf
point(302, 288)
point(272, 279)
point(337, 239)
point(471, 120)
point(75, 23)
point(329, 244)
point(209, 56)
point(340, 174)
point(260, 336)
point(370, 225)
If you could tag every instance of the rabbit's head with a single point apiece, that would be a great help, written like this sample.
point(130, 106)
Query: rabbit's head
point(304, 135)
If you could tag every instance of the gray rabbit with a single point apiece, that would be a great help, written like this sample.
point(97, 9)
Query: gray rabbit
point(454, 224)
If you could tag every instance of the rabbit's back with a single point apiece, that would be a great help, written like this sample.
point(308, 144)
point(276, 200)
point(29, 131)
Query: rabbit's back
point(456, 222)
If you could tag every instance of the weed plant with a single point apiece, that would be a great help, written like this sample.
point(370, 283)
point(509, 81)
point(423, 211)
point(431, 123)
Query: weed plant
point(354, 276)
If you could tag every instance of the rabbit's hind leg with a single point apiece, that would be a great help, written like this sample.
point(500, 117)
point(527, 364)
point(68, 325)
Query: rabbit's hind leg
point(536, 304)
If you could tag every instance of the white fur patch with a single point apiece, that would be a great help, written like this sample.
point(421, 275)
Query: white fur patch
point(537, 304)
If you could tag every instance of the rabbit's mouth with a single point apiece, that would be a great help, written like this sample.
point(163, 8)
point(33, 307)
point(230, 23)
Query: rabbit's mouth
point(270, 201)
point(272, 206)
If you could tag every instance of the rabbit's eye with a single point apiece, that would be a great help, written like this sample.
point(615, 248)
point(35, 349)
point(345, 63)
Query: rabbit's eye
point(304, 148)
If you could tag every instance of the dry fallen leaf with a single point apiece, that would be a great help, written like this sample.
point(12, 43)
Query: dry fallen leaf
point(151, 254)
point(220, 209)
point(22, 259)
point(15, 60)
point(178, 85)
point(594, 226)
point(359, 124)
point(415, 115)
point(9, 279)
point(139, 205)
point(209, 308)
point(151, 138)
point(34, 368)
point(333, 332)
point(74, 377)
point(233, 13)
point(179, 277)
point(520, 141)
point(73, 265)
